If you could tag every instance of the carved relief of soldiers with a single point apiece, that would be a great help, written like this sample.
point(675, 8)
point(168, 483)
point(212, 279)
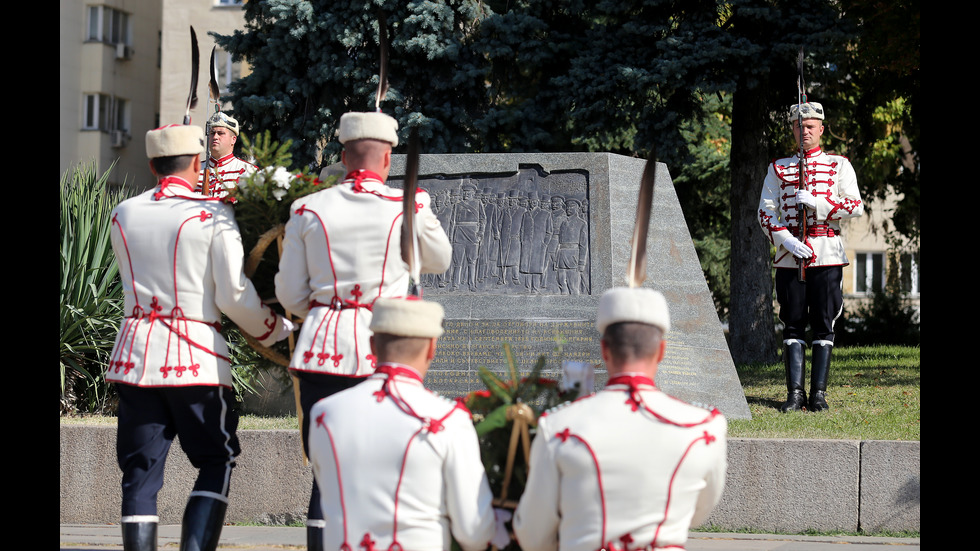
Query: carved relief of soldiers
point(558, 217)
point(536, 231)
point(444, 213)
point(468, 221)
point(573, 248)
point(510, 240)
point(486, 242)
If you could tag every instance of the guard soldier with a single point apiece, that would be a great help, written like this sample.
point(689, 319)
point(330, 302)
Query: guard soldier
point(180, 262)
point(628, 467)
point(831, 194)
point(339, 255)
point(425, 481)
point(223, 168)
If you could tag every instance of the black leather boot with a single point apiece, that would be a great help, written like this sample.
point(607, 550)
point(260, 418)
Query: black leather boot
point(314, 538)
point(139, 536)
point(819, 368)
point(201, 527)
point(793, 353)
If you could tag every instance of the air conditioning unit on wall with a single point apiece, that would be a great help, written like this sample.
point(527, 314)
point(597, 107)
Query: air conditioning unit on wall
point(119, 138)
point(123, 51)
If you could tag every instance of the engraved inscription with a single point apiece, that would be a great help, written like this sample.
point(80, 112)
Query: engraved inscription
point(467, 345)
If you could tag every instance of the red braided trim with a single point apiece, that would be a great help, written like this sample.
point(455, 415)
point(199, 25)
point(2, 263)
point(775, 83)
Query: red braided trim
point(818, 230)
point(338, 303)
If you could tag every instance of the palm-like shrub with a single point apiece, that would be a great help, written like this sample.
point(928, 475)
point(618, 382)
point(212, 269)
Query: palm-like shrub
point(91, 293)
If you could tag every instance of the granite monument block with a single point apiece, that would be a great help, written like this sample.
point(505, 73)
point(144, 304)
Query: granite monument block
point(536, 239)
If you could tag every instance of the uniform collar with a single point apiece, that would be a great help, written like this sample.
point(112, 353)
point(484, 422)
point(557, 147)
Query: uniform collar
point(171, 184)
point(361, 175)
point(175, 186)
point(365, 181)
point(224, 160)
point(632, 380)
point(813, 152)
point(391, 369)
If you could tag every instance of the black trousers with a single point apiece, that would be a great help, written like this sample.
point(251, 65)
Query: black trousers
point(314, 387)
point(149, 419)
point(818, 301)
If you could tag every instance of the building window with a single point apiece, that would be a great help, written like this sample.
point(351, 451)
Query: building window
point(108, 25)
point(908, 277)
point(228, 2)
point(104, 112)
point(869, 273)
point(225, 70)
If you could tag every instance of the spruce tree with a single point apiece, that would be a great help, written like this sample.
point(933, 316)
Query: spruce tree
point(314, 60)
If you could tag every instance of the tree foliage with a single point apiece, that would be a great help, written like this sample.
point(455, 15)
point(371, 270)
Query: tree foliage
point(703, 84)
point(314, 60)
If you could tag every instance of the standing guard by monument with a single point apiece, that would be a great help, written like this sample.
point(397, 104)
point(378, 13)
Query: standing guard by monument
point(223, 168)
point(809, 266)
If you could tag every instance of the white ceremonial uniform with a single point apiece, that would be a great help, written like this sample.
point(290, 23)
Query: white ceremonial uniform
point(224, 174)
point(626, 468)
point(180, 261)
point(398, 465)
point(832, 182)
point(341, 251)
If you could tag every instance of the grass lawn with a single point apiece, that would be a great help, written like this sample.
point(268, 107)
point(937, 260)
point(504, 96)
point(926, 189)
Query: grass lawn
point(873, 393)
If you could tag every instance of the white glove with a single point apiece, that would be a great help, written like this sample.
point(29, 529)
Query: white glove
point(805, 198)
point(285, 328)
point(501, 537)
point(797, 248)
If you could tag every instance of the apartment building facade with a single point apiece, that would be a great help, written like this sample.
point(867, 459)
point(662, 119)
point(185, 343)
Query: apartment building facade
point(126, 69)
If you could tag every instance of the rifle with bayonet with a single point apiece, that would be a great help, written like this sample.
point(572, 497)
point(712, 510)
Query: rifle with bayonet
point(216, 99)
point(801, 166)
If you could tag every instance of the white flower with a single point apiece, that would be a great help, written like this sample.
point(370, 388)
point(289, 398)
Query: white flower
point(282, 178)
point(279, 194)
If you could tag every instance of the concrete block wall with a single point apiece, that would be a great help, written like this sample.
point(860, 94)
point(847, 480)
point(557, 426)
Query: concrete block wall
point(773, 484)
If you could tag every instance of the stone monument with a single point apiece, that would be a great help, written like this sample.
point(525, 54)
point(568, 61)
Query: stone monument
point(537, 238)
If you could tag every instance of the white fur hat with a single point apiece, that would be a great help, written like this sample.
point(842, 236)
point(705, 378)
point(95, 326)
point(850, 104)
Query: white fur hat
point(174, 139)
point(635, 304)
point(377, 126)
point(810, 110)
point(407, 317)
point(226, 121)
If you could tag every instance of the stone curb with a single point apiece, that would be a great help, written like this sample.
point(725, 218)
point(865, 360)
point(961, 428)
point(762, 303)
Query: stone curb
point(778, 485)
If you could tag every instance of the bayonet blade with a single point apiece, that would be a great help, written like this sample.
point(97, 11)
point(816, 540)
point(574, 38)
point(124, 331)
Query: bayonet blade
point(383, 67)
point(195, 68)
point(213, 84)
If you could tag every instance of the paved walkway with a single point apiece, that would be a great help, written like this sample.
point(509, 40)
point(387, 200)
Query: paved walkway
point(96, 537)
